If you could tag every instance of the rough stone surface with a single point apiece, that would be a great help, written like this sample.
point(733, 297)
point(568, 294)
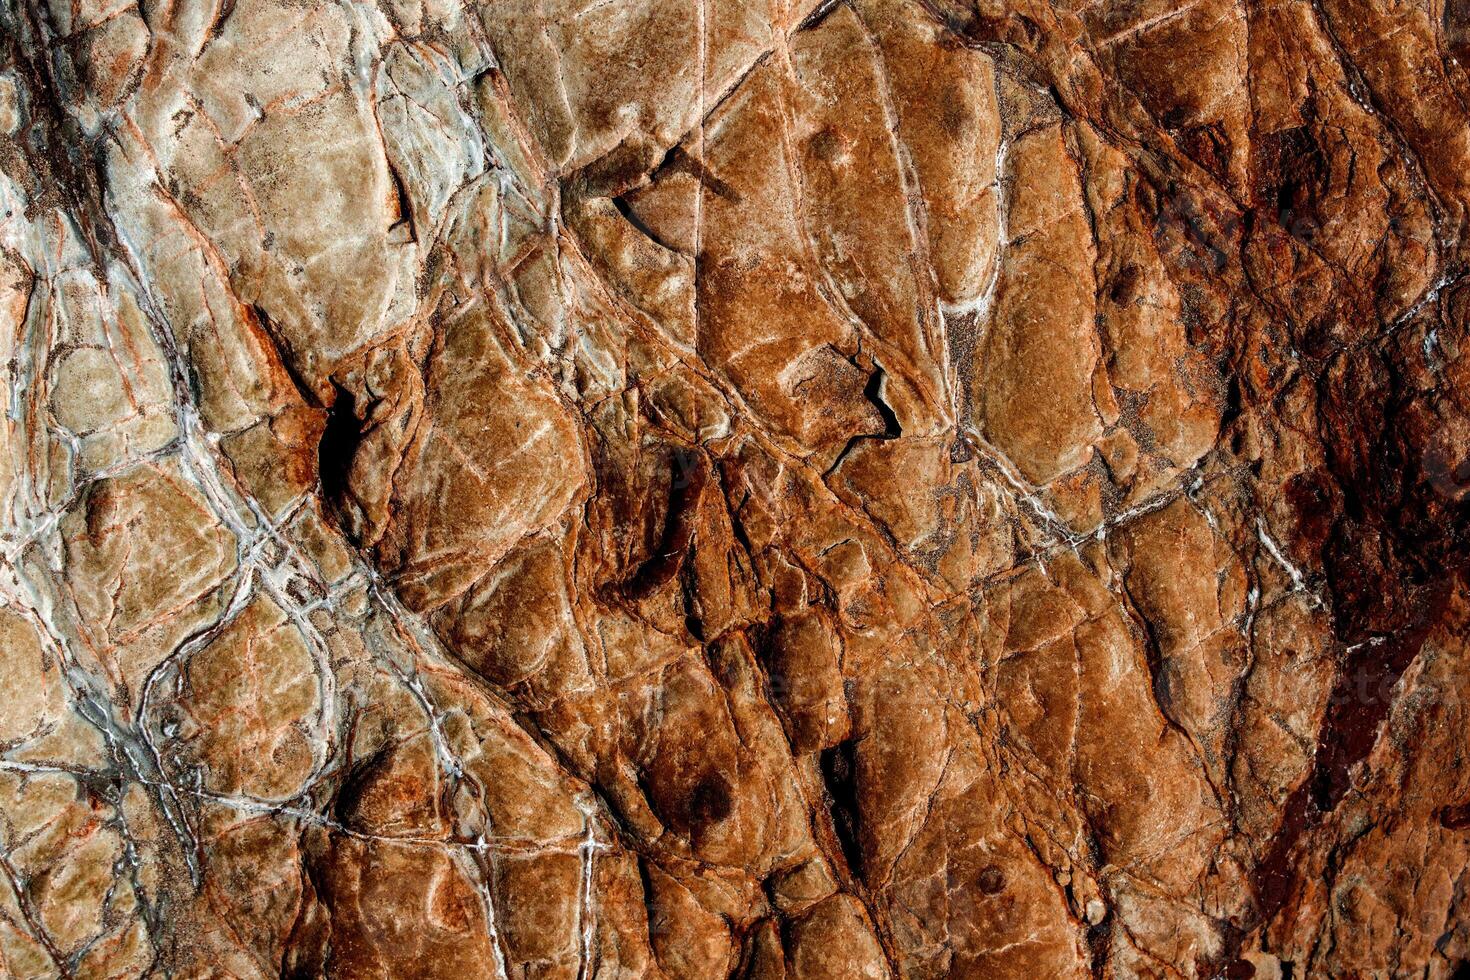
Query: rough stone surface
point(767, 489)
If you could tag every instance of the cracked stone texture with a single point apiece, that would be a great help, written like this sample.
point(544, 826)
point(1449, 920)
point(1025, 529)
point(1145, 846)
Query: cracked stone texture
point(698, 488)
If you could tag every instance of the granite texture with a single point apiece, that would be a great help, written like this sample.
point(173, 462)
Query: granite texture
point(734, 488)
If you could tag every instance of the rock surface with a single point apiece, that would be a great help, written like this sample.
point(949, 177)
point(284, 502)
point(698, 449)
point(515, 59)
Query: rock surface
point(777, 489)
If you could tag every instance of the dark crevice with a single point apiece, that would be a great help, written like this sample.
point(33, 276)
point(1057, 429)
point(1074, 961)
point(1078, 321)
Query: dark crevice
point(819, 15)
point(221, 18)
point(689, 591)
point(678, 160)
point(1159, 679)
point(1098, 945)
point(339, 443)
point(284, 353)
point(403, 203)
point(307, 952)
point(1233, 406)
point(839, 775)
point(873, 392)
point(631, 216)
point(655, 922)
point(892, 428)
point(358, 781)
point(690, 472)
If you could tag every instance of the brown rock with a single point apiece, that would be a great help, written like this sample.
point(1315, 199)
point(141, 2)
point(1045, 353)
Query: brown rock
point(623, 489)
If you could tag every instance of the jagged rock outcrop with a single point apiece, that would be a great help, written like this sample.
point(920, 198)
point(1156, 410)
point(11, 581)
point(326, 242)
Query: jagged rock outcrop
point(626, 488)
